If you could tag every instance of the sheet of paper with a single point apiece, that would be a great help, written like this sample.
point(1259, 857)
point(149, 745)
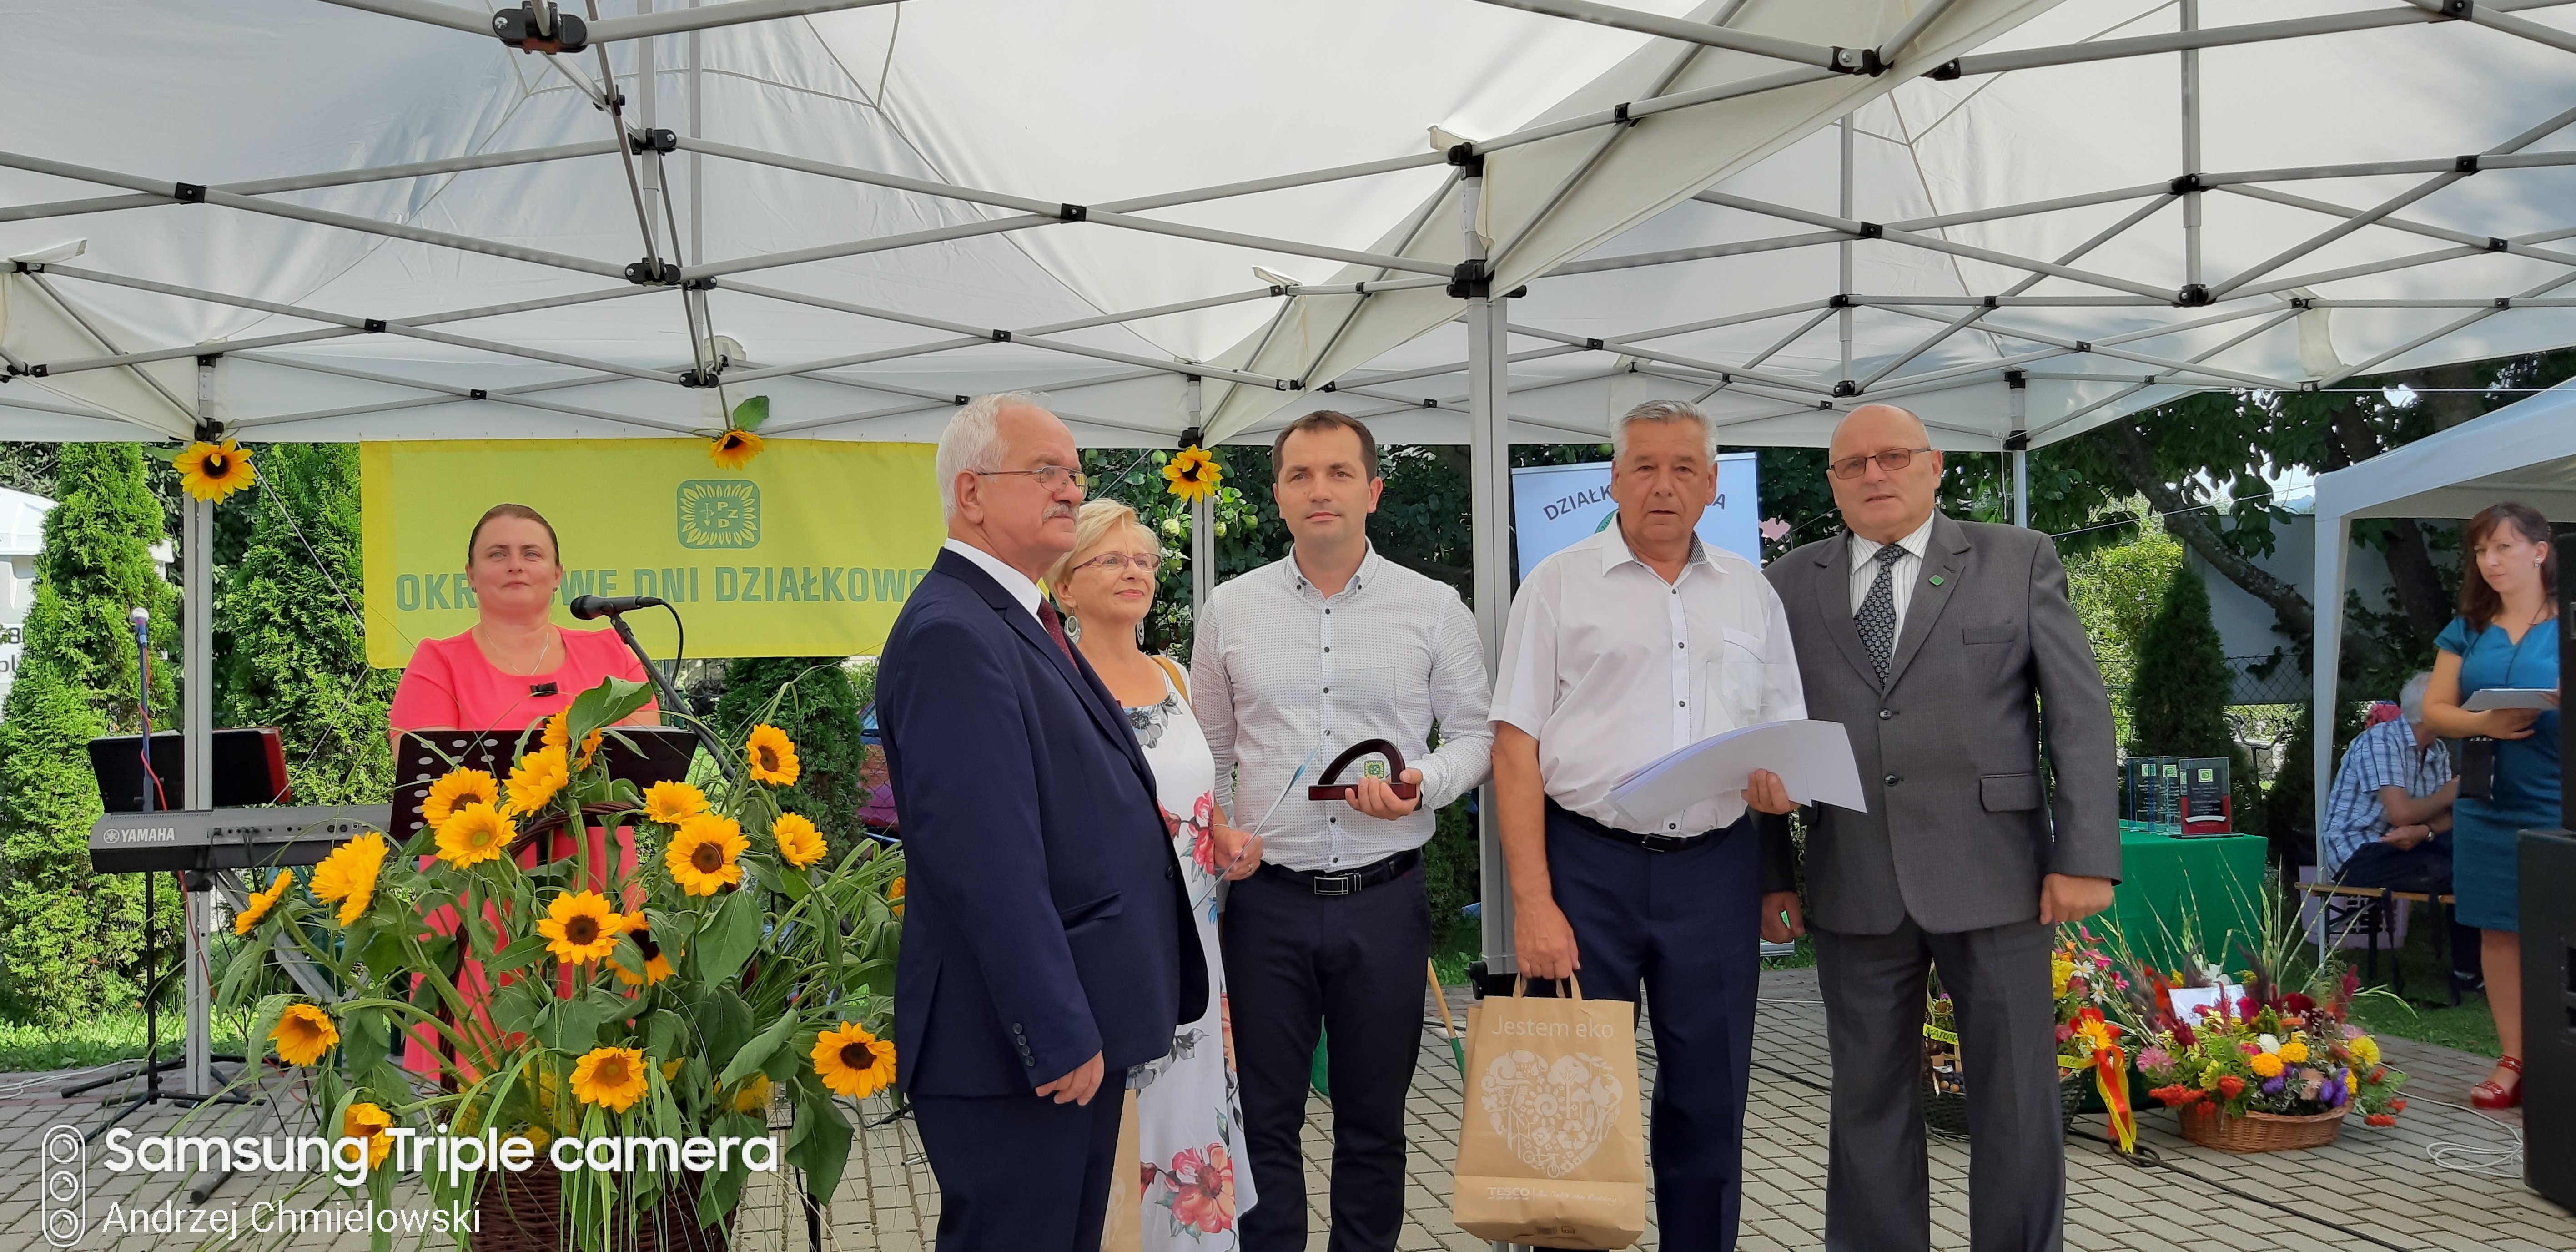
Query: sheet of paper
point(2188, 1001)
point(2512, 698)
point(1813, 760)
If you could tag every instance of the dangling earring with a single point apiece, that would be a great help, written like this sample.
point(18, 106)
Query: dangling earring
point(1073, 627)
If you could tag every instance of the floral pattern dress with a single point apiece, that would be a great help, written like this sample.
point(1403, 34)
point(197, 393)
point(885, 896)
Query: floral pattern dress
point(1189, 1115)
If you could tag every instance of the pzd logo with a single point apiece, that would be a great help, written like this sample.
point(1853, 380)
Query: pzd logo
point(716, 513)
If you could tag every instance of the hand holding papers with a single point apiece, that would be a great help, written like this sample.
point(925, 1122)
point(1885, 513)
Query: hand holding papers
point(1813, 760)
point(2511, 698)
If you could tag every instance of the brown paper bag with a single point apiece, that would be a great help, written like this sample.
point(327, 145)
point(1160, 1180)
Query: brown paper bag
point(1124, 1229)
point(1552, 1142)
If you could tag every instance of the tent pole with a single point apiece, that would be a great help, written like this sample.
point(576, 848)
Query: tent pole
point(2334, 538)
point(1844, 128)
point(1202, 514)
point(197, 723)
point(2017, 445)
point(2191, 146)
point(1489, 461)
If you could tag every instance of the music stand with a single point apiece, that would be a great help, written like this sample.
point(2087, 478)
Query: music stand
point(250, 769)
point(422, 757)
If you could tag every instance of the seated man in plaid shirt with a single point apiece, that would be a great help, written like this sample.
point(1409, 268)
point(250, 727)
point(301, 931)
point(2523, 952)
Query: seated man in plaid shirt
point(2388, 820)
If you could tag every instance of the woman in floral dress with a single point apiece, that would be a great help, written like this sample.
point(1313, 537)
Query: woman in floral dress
point(1190, 1133)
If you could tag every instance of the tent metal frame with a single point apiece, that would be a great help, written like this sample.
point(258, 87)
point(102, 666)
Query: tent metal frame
point(2257, 296)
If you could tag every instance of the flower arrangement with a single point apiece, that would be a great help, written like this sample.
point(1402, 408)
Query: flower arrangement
point(2085, 988)
point(2288, 1054)
point(733, 961)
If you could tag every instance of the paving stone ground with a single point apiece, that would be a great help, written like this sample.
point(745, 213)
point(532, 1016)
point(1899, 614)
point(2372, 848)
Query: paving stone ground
point(2372, 1190)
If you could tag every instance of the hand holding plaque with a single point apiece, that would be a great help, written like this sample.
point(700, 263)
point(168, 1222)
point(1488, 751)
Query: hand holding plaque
point(1400, 783)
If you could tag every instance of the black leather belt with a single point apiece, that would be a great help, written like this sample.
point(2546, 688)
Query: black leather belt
point(1650, 842)
point(1373, 874)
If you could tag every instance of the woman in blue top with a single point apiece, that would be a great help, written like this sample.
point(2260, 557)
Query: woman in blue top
point(2505, 636)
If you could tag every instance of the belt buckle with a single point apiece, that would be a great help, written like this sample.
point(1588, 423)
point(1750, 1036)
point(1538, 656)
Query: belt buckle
point(1657, 841)
point(1340, 884)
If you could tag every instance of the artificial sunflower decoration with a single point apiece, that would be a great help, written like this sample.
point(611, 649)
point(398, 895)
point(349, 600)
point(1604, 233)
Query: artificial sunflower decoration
point(460, 787)
point(657, 965)
point(368, 1123)
point(582, 927)
point(1193, 474)
point(701, 855)
point(559, 733)
point(852, 1061)
point(303, 1033)
point(732, 449)
point(773, 756)
point(475, 834)
point(799, 844)
point(262, 902)
point(672, 803)
point(211, 471)
point(348, 875)
point(535, 780)
point(613, 1078)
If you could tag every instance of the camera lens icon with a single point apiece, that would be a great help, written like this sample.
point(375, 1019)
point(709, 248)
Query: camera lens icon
point(66, 1185)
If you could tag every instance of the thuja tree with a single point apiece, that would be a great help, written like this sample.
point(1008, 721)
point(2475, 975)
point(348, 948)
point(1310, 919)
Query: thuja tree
point(71, 942)
point(2178, 697)
point(813, 700)
point(295, 655)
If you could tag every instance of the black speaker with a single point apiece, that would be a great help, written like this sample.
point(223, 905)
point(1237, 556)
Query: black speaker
point(2548, 865)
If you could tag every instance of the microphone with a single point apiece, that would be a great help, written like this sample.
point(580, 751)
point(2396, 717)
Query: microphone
point(588, 607)
point(141, 620)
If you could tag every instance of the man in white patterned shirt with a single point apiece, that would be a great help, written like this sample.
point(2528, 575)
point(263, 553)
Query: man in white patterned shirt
point(1294, 662)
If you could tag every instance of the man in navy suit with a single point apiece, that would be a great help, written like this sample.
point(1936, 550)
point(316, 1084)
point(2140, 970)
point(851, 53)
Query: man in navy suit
point(1047, 945)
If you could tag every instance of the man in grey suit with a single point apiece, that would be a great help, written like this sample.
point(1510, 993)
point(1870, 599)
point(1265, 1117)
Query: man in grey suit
point(1936, 643)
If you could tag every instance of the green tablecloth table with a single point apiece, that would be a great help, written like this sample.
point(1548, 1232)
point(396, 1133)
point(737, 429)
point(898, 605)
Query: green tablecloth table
point(2168, 884)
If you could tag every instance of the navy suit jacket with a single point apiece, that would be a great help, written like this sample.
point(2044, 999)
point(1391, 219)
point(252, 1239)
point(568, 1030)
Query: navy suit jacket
point(1045, 917)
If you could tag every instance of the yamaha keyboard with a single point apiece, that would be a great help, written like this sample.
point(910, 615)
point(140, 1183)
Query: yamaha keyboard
point(211, 839)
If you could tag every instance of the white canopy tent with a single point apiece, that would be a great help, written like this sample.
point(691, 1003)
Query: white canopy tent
point(1479, 221)
point(2525, 451)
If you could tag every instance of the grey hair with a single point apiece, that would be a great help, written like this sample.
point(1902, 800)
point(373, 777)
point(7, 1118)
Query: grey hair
point(1662, 411)
point(2410, 699)
point(972, 442)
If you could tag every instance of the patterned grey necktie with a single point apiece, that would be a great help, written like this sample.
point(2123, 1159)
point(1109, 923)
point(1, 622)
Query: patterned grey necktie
point(1876, 619)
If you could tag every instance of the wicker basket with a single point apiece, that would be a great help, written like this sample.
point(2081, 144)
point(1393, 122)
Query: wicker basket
point(1945, 1100)
point(517, 1212)
point(2214, 1127)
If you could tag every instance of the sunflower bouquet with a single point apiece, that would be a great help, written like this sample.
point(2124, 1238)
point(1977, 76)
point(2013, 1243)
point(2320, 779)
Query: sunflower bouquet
point(734, 962)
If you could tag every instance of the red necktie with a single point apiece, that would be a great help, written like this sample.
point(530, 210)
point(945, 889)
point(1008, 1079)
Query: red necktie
point(1055, 628)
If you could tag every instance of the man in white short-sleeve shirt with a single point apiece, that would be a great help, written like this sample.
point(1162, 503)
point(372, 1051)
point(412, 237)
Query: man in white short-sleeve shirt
point(1628, 645)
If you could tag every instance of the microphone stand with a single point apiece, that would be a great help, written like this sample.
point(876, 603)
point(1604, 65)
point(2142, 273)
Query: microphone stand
point(670, 694)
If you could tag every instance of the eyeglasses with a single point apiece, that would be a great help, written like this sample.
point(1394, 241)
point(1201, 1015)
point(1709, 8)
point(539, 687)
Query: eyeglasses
point(1119, 561)
point(1051, 478)
point(1891, 461)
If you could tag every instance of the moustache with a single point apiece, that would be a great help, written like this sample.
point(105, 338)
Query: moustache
point(1059, 509)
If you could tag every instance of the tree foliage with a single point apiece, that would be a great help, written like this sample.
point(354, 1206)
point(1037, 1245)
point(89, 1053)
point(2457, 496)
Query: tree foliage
point(71, 942)
point(813, 700)
point(293, 652)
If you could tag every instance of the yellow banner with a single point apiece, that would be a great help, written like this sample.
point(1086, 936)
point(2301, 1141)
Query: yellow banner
point(811, 550)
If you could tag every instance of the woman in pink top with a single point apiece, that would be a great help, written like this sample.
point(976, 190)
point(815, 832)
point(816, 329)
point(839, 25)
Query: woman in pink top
point(511, 669)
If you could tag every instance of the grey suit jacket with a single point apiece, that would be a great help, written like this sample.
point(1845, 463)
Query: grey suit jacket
point(1959, 826)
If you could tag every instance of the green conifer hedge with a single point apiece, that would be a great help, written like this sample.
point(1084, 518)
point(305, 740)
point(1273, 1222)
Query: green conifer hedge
point(71, 942)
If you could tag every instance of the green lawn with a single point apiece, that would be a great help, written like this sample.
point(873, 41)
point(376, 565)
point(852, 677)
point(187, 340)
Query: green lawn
point(2425, 1015)
point(100, 1041)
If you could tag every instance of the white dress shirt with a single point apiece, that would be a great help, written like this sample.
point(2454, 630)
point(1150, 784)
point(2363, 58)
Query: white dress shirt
point(1022, 588)
point(1609, 667)
point(1283, 675)
point(1864, 555)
